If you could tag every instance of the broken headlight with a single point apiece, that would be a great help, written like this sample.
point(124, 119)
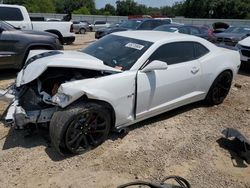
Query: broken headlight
point(61, 98)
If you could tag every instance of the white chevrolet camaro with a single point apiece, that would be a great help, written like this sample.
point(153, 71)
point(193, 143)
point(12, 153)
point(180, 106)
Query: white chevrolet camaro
point(122, 79)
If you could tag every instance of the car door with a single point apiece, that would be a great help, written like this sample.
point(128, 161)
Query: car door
point(196, 31)
point(146, 25)
point(7, 48)
point(179, 84)
point(99, 25)
point(184, 30)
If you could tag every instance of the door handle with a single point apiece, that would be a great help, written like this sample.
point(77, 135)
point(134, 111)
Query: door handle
point(194, 70)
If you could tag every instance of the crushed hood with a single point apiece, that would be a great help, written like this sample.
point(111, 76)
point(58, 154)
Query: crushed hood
point(63, 59)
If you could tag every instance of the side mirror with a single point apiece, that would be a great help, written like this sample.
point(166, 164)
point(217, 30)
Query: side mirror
point(155, 65)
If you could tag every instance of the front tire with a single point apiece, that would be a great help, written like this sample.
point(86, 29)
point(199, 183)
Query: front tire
point(219, 89)
point(79, 127)
point(82, 31)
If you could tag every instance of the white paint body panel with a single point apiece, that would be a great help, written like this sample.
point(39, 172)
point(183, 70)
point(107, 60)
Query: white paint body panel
point(26, 24)
point(70, 59)
point(246, 43)
point(157, 91)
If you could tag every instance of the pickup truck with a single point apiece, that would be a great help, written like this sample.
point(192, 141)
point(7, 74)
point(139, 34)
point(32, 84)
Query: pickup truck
point(18, 17)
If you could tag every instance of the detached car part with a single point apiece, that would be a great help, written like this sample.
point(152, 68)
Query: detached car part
point(182, 183)
point(240, 144)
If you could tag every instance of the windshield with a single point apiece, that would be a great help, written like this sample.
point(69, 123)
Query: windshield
point(131, 24)
point(237, 30)
point(118, 52)
point(171, 29)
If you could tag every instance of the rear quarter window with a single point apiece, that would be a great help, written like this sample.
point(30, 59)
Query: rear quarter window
point(200, 50)
point(10, 14)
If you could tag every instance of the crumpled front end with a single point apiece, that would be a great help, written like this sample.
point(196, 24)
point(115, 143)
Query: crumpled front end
point(37, 101)
point(38, 90)
point(27, 107)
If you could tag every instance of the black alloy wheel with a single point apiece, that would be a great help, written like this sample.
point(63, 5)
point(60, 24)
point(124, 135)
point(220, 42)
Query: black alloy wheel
point(220, 88)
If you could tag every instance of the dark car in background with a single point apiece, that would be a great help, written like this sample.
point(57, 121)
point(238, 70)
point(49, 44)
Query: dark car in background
point(231, 36)
point(199, 31)
point(15, 44)
point(132, 24)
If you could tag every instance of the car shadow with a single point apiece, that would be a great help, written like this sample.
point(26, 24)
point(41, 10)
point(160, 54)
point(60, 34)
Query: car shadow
point(160, 117)
point(40, 137)
point(8, 74)
point(245, 70)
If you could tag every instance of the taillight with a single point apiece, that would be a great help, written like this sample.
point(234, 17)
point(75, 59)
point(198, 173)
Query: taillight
point(71, 29)
point(210, 32)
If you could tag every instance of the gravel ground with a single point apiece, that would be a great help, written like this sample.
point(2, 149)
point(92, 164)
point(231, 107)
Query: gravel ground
point(184, 142)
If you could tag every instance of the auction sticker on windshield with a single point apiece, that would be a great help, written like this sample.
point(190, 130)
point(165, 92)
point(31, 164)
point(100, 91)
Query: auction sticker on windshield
point(135, 46)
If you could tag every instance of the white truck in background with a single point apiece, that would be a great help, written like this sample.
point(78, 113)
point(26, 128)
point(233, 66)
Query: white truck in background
point(18, 17)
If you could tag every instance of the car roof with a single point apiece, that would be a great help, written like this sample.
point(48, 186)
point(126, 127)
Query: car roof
point(143, 19)
point(154, 36)
point(11, 6)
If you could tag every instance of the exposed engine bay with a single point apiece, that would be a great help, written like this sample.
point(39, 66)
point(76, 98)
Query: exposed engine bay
point(33, 101)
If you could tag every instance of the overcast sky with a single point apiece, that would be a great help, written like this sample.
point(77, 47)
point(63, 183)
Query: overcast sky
point(152, 3)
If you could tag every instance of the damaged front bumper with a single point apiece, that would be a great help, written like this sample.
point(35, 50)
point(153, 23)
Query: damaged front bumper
point(16, 116)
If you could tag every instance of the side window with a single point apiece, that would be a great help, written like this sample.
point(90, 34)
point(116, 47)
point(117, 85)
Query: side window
point(200, 50)
point(100, 22)
point(146, 25)
point(166, 21)
point(184, 30)
point(156, 23)
point(174, 53)
point(10, 14)
point(194, 31)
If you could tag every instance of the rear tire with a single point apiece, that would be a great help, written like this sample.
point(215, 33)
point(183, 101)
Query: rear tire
point(219, 89)
point(82, 31)
point(79, 128)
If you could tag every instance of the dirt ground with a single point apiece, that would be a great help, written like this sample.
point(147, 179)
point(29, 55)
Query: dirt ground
point(184, 142)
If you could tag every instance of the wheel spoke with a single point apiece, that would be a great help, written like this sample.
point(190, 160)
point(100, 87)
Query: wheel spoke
point(87, 129)
point(101, 124)
point(79, 141)
point(74, 139)
point(221, 86)
point(92, 139)
point(89, 118)
point(86, 142)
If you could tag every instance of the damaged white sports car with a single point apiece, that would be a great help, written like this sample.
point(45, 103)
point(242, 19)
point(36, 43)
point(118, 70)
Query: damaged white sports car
point(117, 81)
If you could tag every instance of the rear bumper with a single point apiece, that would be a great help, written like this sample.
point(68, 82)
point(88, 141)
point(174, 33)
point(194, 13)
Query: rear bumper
point(69, 40)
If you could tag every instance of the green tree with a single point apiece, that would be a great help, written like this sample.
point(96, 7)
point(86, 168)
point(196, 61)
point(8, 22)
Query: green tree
point(44, 6)
point(65, 6)
point(216, 9)
point(110, 8)
point(82, 10)
point(129, 7)
point(167, 11)
point(17, 2)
